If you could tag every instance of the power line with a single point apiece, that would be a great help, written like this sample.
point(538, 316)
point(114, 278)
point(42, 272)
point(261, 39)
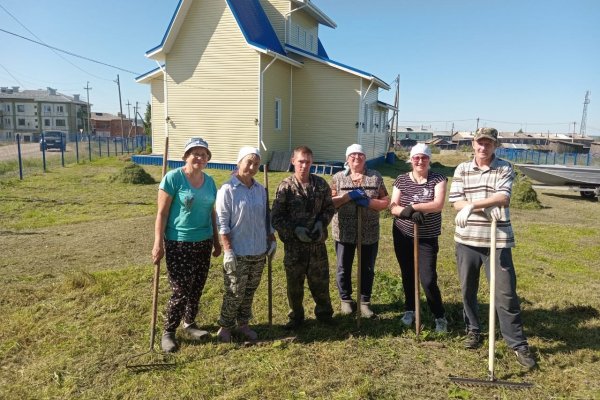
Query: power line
point(55, 52)
point(7, 71)
point(70, 53)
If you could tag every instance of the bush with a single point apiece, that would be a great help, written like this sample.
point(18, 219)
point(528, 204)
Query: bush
point(133, 173)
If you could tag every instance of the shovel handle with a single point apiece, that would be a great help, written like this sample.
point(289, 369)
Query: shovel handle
point(154, 304)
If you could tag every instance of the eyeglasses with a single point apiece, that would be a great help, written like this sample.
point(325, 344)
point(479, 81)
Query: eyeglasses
point(420, 158)
point(357, 155)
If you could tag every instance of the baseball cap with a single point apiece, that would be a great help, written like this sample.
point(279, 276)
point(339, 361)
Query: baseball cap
point(420, 148)
point(354, 148)
point(246, 150)
point(196, 142)
point(487, 133)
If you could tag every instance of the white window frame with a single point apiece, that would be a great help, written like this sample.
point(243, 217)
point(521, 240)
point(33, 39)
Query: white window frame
point(60, 121)
point(7, 122)
point(47, 109)
point(47, 122)
point(20, 108)
point(278, 113)
point(60, 109)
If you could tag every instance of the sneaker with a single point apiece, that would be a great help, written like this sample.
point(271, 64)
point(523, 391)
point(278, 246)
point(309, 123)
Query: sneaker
point(365, 310)
point(347, 307)
point(473, 340)
point(196, 333)
point(247, 332)
point(525, 358)
point(441, 325)
point(224, 335)
point(168, 342)
point(293, 324)
point(408, 318)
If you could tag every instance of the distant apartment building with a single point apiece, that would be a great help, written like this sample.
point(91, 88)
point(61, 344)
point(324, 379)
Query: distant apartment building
point(29, 112)
point(109, 125)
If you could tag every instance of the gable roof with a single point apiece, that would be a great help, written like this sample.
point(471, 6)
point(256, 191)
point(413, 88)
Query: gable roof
point(251, 19)
point(323, 58)
point(315, 12)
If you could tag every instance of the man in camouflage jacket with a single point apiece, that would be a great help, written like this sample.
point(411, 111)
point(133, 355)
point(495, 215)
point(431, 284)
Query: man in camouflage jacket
point(301, 212)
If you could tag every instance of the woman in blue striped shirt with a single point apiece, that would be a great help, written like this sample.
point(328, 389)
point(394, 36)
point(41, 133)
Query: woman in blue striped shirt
point(418, 198)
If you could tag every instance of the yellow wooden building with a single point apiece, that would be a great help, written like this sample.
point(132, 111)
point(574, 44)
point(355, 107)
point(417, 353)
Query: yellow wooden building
point(254, 73)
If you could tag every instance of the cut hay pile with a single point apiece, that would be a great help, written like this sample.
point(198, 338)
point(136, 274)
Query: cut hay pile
point(523, 196)
point(133, 173)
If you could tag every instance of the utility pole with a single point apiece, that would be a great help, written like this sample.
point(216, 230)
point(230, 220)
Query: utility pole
point(476, 129)
point(135, 112)
point(89, 111)
point(582, 126)
point(128, 110)
point(120, 103)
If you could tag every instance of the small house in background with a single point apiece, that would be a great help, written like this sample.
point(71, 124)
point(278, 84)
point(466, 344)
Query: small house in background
point(255, 73)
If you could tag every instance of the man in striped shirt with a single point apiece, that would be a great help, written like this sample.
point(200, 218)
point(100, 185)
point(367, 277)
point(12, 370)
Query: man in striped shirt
point(480, 192)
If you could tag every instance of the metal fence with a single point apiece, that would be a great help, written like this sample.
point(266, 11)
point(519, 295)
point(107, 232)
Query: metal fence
point(22, 159)
point(521, 156)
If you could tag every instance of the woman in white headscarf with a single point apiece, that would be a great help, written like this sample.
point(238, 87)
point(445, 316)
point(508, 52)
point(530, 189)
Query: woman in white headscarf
point(247, 239)
point(418, 198)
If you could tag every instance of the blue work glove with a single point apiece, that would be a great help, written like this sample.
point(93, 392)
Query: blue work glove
point(363, 202)
point(357, 194)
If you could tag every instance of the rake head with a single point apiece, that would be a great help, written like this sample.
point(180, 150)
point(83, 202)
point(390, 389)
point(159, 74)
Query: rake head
point(148, 361)
point(490, 383)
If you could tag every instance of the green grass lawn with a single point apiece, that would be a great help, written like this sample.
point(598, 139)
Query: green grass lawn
point(76, 273)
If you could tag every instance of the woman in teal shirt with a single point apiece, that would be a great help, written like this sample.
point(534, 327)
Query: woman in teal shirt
point(185, 232)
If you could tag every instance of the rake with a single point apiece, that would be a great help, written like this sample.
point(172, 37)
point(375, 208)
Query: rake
point(152, 359)
point(491, 381)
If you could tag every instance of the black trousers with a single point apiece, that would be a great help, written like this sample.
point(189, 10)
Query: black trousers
point(428, 250)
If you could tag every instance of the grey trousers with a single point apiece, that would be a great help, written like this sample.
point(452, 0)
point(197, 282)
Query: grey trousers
point(469, 261)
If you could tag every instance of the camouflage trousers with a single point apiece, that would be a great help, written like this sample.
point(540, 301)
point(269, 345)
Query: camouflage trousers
point(307, 261)
point(240, 286)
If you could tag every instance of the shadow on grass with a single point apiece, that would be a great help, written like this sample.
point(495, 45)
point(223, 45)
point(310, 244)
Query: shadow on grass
point(571, 197)
point(564, 325)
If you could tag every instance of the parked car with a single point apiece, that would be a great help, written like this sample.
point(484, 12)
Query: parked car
point(53, 140)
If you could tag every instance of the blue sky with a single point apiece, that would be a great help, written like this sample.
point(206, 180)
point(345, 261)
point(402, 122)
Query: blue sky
point(515, 64)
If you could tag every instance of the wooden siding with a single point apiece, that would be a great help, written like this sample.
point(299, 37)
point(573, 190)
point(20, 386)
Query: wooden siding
point(325, 103)
point(276, 11)
point(213, 83)
point(308, 25)
point(158, 115)
point(276, 85)
point(373, 139)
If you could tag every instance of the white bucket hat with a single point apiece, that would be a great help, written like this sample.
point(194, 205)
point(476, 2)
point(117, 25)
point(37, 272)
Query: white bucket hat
point(196, 142)
point(354, 148)
point(419, 148)
point(247, 150)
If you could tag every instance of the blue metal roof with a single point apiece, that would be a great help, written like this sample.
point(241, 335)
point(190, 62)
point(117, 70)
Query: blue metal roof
point(321, 50)
point(255, 24)
point(323, 57)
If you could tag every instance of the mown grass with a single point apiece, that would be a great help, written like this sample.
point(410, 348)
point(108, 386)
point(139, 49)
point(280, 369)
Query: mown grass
point(76, 278)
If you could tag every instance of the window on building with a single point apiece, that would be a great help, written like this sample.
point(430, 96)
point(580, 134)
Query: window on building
point(46, 121)
point(7, 122)
point(47, 109)
point(61, 122)
point(277, 114)
point(60, 109)
point(20, 107)
point(7, 107)
point(21, 122)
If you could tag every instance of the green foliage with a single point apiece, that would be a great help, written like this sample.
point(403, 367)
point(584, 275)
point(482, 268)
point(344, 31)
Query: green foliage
point(523, 195)
point(148, 120)
point(133, 173)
